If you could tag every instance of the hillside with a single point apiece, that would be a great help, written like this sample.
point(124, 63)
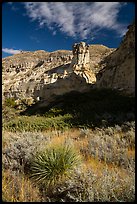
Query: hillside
point(118, 68)
point(68, 124)
point(27, 72)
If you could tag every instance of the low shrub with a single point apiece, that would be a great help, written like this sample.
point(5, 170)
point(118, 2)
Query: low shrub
point(87, 186)
point(111, 146)
point(34, 123)
point(106, 173)
point(19, 148)
point(54, 164)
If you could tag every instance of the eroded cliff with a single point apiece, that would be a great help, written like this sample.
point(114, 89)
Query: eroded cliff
point(40, 74)
point(118, 69)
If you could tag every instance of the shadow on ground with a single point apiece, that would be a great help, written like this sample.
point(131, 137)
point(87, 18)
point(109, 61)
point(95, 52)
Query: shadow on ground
point(99, 107)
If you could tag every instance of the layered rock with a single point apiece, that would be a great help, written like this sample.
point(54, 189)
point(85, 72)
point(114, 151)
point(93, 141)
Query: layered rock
point(41, 74)
point(81, 62)
point(23, 72)
point(76, 77)
point(118, 69)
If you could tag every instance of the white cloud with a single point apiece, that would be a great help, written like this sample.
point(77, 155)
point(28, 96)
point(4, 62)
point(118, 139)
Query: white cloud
point(77, 19)
point(10, 51)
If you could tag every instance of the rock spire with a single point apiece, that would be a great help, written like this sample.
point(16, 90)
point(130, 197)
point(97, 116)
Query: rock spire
point(81, 62)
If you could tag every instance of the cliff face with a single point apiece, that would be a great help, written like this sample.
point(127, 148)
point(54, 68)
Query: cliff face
point(41, 74)
point(23, 72)
point(118, 69)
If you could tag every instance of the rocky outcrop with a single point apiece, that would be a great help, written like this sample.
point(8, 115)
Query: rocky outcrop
point(118, 68)
point(23, 72)
point(81, 62)
point(77, 76)
point(41, 74)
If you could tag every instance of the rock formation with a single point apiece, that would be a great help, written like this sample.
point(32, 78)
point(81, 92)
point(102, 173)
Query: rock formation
point(81, 62)
point(40, 74)
point(23, 72)
point(74, 77)
point(118, 68)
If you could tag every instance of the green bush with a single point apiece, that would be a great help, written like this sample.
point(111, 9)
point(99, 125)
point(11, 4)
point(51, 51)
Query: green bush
point(54, 164)
point(97, 108)
point(34, 123)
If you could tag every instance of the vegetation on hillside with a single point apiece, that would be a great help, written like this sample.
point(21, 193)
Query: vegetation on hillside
point(97, 108)
point(79, 149)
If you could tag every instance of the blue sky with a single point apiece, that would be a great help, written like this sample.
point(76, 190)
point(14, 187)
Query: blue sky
point(51, 26)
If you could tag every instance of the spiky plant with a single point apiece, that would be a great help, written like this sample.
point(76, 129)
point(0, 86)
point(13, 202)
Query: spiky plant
point(54, 164)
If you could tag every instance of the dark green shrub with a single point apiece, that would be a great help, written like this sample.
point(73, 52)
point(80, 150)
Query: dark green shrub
point(33, 123)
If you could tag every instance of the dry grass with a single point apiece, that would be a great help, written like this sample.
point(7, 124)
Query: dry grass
point(107, 171)
point(131, 153)
point(18, 188)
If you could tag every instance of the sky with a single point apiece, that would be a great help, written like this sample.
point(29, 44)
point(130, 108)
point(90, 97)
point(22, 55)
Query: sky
point(50, 26)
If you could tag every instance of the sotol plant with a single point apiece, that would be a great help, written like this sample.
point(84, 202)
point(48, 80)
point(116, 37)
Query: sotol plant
point(54, 164)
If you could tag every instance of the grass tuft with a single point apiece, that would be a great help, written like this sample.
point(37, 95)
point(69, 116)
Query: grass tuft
point(54, 164)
